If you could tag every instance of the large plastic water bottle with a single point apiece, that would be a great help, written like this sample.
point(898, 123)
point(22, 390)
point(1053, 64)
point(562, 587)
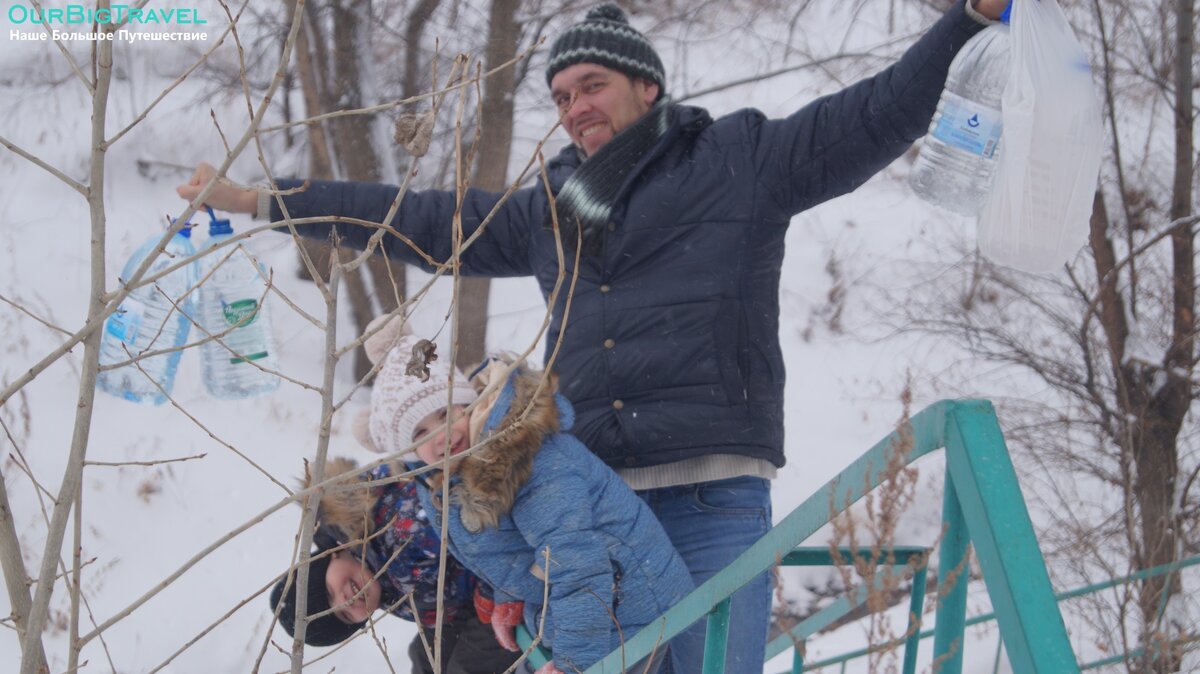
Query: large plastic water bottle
point(147, 321)
point(957, 161)
point(233, 308)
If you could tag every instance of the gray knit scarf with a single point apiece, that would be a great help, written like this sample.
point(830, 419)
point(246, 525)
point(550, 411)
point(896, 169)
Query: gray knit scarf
point(586, 200)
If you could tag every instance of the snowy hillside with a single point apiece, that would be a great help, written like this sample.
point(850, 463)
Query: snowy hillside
point(143, 522)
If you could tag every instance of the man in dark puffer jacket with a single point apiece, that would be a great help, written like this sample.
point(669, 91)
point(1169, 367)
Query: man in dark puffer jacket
point(671, 357)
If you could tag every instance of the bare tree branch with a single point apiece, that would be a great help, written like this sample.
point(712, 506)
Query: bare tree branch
point(144, 463)
point(816, 63)
point(87, 84)
point(39, 611)
point(382, 107)
point(172, 86)
point(70, 182)
point(32, 315)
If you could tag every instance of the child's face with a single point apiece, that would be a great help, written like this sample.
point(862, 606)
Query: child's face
point(431, 432)
point(345, 580)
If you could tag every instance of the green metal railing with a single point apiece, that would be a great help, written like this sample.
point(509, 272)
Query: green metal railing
point(898, 558)
point(983, 506)
point(1081, 591)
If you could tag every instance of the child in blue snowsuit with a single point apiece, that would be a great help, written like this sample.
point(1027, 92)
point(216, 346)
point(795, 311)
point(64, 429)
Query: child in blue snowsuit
point(531, 489)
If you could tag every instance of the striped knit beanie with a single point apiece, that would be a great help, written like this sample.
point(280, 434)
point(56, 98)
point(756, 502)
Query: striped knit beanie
point(605, 37)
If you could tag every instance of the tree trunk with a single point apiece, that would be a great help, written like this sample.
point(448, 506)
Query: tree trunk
point(352, 133)
point(332, 79)
point(414, 29)
point(360, 161)
point(309, 67)
point(1157, 463)
point(1158, 458)
point(388, 276)
point(491, 168)
point(353, 138)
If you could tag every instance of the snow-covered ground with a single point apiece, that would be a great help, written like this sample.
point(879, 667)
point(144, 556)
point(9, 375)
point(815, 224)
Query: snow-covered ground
point(142, 522)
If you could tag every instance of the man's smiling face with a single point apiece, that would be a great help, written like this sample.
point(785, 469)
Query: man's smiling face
point(596, 103)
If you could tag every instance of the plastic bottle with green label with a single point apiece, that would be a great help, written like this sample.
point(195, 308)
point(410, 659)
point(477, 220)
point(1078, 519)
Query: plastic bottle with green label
point(239, 359)
point(145, 335)
point(957, 161)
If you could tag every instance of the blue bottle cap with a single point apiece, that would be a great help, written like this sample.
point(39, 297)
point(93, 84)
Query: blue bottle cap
point(185, 232)
point(217, 226)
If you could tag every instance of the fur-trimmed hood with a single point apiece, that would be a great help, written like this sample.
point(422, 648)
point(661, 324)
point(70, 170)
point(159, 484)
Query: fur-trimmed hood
point(513, 419)
point(346, 506)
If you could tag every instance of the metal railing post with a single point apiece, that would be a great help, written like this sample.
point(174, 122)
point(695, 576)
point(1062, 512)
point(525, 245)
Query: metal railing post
point(716, 638)
point(1001, 531)
point(953, 573)
point(916, 607)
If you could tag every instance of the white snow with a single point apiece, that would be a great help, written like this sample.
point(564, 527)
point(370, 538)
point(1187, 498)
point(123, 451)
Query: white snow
point(141, 523)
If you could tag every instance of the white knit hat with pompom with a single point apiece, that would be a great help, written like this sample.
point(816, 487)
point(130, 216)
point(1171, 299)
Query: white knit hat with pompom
point(399, 400)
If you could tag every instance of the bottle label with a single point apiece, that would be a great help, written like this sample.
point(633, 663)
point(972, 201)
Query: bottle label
point(240, 313)
point(246, 359)
point(125, 322)
point(968, 126)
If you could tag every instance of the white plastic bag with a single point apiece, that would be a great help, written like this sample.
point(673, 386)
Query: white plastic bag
point(1036, 216)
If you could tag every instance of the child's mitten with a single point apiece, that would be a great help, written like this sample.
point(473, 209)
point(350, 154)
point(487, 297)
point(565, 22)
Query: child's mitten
point(503, 618)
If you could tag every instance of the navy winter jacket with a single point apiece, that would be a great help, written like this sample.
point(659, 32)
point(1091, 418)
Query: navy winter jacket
point(672, 350)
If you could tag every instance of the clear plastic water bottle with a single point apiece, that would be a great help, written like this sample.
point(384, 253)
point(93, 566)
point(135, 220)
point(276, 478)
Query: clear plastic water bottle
point(148, 321)
point(957, 161)
point(233, 307)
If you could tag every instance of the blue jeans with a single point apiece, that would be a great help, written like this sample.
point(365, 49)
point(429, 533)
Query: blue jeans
point(711, 523)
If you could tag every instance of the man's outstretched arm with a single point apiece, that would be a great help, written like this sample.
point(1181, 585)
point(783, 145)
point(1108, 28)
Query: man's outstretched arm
point(424, 218)
point(834, 144)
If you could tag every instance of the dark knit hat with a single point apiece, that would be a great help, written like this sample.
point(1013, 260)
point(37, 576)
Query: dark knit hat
point(327, 630)
point(605, 37)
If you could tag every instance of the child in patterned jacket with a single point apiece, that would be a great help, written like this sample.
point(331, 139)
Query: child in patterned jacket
point(376, 548)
